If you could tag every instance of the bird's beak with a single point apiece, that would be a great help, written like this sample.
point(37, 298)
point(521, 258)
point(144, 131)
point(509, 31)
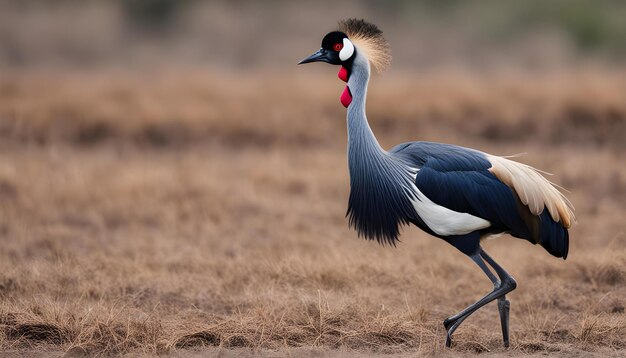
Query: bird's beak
point(320, 56)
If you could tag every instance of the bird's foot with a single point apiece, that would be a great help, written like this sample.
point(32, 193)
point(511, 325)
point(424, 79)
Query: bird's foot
point(448, 341)
point(447, 323)
point(451, 324)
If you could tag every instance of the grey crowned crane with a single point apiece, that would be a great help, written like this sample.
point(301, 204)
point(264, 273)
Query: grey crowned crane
point(457, 194)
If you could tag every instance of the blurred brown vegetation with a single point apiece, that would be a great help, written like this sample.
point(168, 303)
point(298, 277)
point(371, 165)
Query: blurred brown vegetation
point(158, 197)
point(174, 109)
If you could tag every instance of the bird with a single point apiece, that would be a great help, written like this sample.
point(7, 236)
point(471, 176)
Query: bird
point(460, 195)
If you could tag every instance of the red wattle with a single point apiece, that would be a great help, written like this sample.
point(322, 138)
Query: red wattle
point(343, 74)
point(346, 97)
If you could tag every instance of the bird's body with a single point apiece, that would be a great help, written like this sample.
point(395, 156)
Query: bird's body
point(453, 194)
point(458, 194)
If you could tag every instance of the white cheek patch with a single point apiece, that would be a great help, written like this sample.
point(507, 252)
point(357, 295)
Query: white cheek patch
point(347, 51)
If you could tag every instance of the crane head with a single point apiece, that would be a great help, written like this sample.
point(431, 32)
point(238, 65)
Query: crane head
point(340, 47)
point(336, 49)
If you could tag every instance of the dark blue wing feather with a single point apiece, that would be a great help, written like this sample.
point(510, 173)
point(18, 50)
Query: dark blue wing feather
point(458, 179)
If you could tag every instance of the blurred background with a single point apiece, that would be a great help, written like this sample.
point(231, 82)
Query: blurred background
point(252, 35)
point(170, 178)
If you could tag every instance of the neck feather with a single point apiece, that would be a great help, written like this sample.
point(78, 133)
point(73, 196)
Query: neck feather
point(379, 182)
point(361, 139)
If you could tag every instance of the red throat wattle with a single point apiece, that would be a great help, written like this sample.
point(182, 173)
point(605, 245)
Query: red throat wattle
point(343, 74)
point(346, 97)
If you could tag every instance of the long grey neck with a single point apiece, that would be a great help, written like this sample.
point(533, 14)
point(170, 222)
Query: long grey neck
point(380, 196)
point(361, 139)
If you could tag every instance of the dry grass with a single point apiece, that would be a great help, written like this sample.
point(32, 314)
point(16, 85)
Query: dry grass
point(187, 214)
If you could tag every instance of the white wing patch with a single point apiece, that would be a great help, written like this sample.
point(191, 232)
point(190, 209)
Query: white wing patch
point(442, 220)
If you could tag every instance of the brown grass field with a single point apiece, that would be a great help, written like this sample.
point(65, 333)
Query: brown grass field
point(195, 213)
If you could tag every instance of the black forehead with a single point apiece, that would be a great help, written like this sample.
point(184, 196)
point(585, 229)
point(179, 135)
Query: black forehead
point(332, 38)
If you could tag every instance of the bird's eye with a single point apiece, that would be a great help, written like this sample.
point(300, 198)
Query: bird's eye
point(337, 47)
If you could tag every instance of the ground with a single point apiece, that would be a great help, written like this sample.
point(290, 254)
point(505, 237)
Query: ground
point(190, 214)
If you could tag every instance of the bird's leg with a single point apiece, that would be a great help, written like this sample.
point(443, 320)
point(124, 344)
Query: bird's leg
point(501, 287)
point(504, 306)
point(452, 323)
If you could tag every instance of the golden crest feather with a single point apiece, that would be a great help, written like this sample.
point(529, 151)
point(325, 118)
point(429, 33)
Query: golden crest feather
point(368, 38)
